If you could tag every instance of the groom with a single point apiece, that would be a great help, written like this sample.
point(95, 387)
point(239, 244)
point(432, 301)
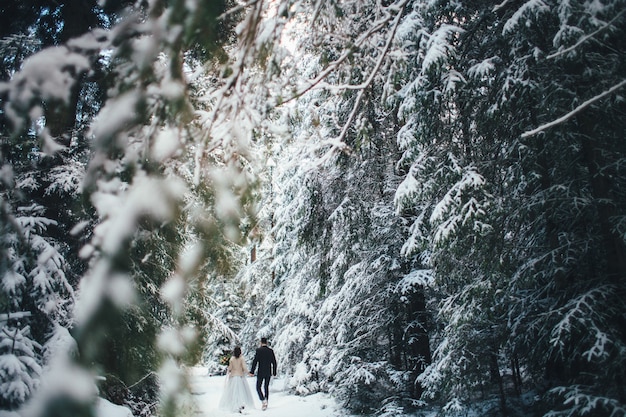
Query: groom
point(266, 360)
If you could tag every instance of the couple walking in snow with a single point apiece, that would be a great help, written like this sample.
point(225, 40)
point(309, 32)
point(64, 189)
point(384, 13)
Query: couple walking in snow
point(236, 396)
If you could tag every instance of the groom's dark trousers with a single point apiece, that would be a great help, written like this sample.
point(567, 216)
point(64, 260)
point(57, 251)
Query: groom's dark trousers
point(263, 381)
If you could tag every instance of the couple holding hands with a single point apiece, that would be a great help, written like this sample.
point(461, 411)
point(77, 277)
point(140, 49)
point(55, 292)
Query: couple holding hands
point(236, 396)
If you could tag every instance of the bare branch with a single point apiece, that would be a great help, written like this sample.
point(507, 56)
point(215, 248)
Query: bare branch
point(499, 6)
point(316, 13)
point(576, 110)
point(585, 38)
point(368, 82)
point(335, 64)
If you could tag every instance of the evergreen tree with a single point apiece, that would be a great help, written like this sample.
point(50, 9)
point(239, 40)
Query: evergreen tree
point(505, 217)
point(353, 319)
point(136, 243)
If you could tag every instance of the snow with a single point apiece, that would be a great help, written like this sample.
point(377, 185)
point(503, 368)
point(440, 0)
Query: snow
point(171, 378)
point(48, 74)
point(482, 69)
point(173, 341)
point(166, 145)
point(439, 47)
point(145, 196)
point(530, 7)
point(115, 115)
point(173, 290)
point(407, 189)
point(11, 282)
point(415, 278)
point(6, 175)
point(105, 408)
point(207, 391)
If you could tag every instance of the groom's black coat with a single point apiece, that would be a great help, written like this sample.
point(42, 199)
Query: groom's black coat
point(266, 360)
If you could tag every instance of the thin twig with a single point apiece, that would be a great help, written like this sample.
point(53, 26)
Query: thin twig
point(576, 110)
point(585, 38)
point(369, 81)
point(149, 374)
point(333, 65)
point(236, 9)
point(316, 13)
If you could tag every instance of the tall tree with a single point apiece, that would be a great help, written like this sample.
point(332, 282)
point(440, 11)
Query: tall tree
point(354, 322)
point(138, 243)
point(506, 215)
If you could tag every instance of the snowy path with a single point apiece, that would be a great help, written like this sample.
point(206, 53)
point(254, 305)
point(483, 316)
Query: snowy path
point(207, 391)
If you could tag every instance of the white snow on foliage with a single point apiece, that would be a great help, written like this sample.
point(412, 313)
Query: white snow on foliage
point(408, 27)
point(60, 343)
point(407, 189)
point(439, 46)
point(166, 144)
point(471, 179)
point(12, 281)
point(63, 379)
point(106, 408)
point(173, 290)
point(526, 10)
point(482, 69)
point(115, 115)
point(122, 208)
point(67, 178)
point(146, 196)
point(48, 75)
point(415, 278)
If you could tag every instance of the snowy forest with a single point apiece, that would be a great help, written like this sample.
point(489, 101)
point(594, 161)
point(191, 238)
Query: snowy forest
point(421, 204)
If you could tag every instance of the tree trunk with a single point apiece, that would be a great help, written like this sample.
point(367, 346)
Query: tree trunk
point(516, 374)
point(78, 18)
point(615, 255)
point(497, 378)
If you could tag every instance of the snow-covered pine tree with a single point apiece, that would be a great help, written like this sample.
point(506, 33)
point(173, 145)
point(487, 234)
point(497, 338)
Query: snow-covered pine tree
point(36, 294)
point(505, 216)
point(19, 361)
point(337, 313)
point(138, 242)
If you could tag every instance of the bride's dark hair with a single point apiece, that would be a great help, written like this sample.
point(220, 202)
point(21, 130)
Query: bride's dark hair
point(237, 352)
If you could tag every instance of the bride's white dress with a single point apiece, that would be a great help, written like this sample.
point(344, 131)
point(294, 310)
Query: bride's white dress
point(236, 392)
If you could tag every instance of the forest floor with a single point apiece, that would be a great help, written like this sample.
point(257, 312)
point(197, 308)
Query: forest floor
point(207, 391)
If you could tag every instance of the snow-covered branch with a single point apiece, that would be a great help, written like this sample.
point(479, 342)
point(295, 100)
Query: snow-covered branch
point(15, 316)
point(499, 6)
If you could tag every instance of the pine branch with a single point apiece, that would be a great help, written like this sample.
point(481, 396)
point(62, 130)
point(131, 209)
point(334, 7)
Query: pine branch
point(575, 111)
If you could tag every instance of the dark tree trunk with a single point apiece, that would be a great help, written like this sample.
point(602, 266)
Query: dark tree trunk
point(592, 153)
point(78, 17)
point(497, 379)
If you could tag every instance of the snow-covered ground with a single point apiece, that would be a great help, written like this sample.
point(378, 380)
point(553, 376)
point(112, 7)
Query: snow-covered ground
point(207, 391)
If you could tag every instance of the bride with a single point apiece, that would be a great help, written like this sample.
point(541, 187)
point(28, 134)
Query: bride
point(236, 395)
